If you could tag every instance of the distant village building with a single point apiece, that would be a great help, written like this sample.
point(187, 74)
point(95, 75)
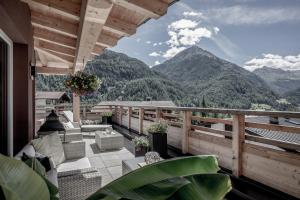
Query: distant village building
point(51, 98)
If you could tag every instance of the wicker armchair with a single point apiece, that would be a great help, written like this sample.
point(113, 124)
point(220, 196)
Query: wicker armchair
point(78, 184)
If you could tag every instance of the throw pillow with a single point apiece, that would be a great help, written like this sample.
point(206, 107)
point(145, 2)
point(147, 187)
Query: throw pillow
point(68, 125)
point(51, 146)
point(44, 160)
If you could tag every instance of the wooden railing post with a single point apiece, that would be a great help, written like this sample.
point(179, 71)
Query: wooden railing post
point(76, 108)
point(238, 140)
point(186, 129)
point(84, 112)
point(158, 114)
point(129, 117)
point(121, 114)
point(141, 120)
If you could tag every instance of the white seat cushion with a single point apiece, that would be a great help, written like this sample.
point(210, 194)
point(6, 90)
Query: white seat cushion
point(74, 165)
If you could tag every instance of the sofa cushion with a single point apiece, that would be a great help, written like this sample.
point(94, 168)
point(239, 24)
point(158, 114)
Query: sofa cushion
point(28, 149)
point(51, 146)
point(68, 125)
point(74, 165)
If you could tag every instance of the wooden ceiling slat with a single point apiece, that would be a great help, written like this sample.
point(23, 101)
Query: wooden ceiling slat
point(67, 8)
point(62, 56)
point(107, 40)
point(119, 26)
point(54, 37)
point(55, 24)
point(98, 49)
point(54, 47)
point(152, 9)
point(53, 70)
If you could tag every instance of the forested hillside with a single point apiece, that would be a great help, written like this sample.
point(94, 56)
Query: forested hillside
point(186, 79)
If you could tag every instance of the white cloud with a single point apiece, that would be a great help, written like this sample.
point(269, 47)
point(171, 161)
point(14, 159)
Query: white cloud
point(245, 15)
point(274, 61)
point(216, 30)
point(138, 39)
point(191, 37)
point(160, 43)
point(156, 62)
point(182, 23)
point(154, 54)
point(193, 14)
point(148, 42)
point(155, 44)
point(173, 51)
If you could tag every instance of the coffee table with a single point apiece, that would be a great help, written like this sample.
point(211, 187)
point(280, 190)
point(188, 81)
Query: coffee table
point(106, 141)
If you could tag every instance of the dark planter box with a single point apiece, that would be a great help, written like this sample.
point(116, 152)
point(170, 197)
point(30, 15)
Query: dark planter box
point(140, 151)
point(158, 142)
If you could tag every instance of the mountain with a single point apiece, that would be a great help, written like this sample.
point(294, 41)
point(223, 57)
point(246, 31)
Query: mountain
point(220, 82)
point(279, 80)
point(123, 78)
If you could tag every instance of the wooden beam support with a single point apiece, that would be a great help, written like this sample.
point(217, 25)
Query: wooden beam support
point(53, 37)
point(54, 24)
point(98, 49)
point(76, 108)
point(129, 117)
point(107, 40)
point(186, 130)
point(54, 47)
point(238, 140)
point(94, 14)
point(66, 8)
point(157, 114)
point(52, 70)
point(56, 56)
point(152, 9)
point(141, 120)
point(119, 26)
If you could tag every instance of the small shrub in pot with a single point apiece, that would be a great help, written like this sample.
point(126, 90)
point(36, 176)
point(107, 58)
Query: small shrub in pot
point(141, 145)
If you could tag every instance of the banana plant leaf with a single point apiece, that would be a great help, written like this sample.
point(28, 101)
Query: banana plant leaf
point(163, 172)
point(20, 182)
point(204, 187)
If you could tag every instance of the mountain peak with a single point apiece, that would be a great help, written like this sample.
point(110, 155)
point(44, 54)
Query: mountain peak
point(194, 50)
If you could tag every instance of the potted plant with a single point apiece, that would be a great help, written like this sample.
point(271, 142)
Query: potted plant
point(158, 138)
point(82, 83)
point(141, 145)
point(106, 117)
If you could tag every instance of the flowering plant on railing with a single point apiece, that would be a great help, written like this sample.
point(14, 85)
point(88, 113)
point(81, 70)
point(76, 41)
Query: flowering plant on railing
point(82, 83)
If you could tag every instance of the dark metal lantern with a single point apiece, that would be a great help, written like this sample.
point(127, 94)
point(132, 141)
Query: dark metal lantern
point(51, 124)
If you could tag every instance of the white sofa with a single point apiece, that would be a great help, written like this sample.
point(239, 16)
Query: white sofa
point(75, 159)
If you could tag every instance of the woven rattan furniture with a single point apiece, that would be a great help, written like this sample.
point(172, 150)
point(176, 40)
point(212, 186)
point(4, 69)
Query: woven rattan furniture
point(107, 141)
point(95, 127)
point(131, 164)
point(78, 184)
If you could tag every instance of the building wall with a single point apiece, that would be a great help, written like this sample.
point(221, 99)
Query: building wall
point(15, 21)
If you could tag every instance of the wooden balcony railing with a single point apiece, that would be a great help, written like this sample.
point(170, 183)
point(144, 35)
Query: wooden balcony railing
point(275, 163)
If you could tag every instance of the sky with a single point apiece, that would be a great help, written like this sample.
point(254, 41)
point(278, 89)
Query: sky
point(250, 33)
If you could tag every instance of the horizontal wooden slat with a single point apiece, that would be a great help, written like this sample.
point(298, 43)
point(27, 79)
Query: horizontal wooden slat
point(107, 40)
point(62, 56)
point(176, 124)
point(119, 26)
point(210, 138)
point(170, 115)
point(52, 70)
point(211, 130)
point(212, 120)
point(278, 143)
point(273, 127)
point(54, 47)
point(53, 37)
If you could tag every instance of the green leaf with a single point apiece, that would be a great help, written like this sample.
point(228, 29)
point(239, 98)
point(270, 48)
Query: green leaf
point(204, 187)
point(167, 169)
point(20, 182)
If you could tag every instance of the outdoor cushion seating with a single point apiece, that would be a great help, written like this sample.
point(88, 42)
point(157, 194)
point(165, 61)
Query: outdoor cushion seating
point(94, 127)
point(75, 163)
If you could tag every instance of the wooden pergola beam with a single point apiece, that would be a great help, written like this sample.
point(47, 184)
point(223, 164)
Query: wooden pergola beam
point(107, 40)
point(54, 24)
point(52, 70)
point(119, 26)
point(152, 8)
point(54, 47)
point(56, 56)
point(53, 37)
point(98, 49)
point(66, 8)
point(94, 14)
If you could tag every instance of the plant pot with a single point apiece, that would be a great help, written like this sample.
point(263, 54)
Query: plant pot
point(140, 151)
point(158, 143)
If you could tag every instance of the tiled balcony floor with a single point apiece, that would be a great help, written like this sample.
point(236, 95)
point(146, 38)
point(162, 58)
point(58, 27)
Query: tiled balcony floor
point(109, 163)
